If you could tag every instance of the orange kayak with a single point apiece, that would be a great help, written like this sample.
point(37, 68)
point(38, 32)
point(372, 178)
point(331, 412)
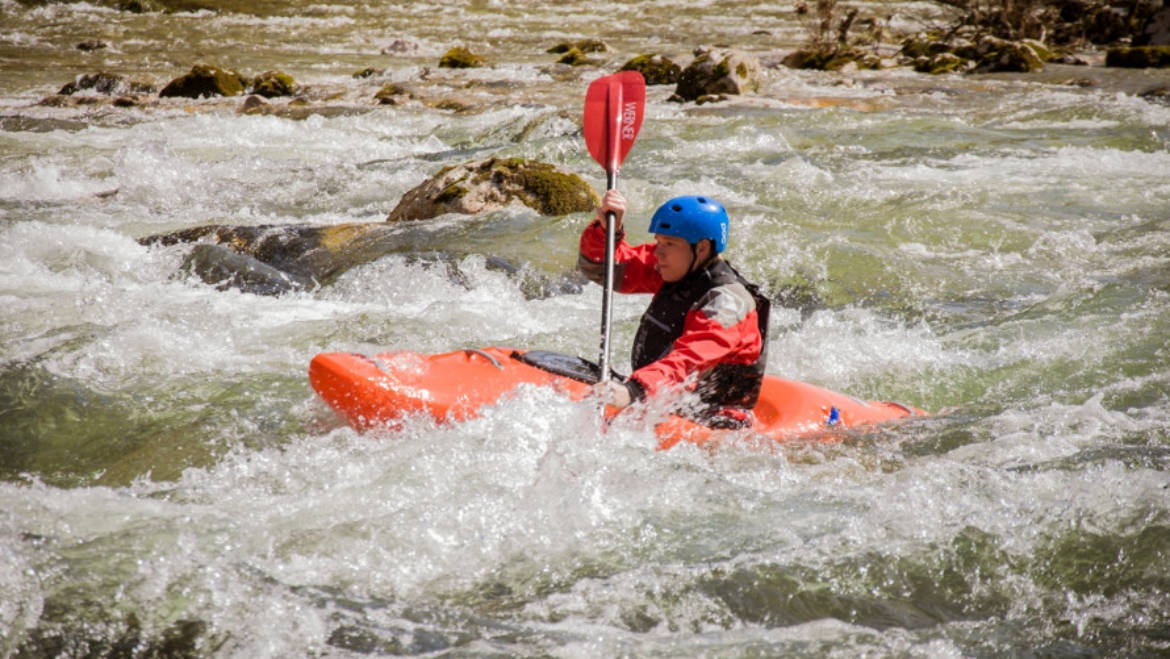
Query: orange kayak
point(379, 390)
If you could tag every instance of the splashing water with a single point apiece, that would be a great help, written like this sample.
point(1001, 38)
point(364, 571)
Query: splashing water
point(991, 248)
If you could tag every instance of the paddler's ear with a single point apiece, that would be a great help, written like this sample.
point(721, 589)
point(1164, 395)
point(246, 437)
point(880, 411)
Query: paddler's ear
point(704, 251)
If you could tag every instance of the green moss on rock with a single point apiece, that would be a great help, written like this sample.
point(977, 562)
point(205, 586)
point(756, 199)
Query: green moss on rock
point(391, 94)
point(460, 58)
point(585, 46)
point(831, 58)
point(572, 57)
point(553, 192)
point(490, 184)
point(923, 45)
point(717, 72)
point(271, 84)
point(450, 193)
point(1001, 55)
point(205, 81)
point(655, 68)
point(940, 63)
point(1139, 57)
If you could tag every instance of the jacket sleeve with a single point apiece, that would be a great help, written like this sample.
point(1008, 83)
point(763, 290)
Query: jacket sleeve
point(705, 342)
point(633, 270)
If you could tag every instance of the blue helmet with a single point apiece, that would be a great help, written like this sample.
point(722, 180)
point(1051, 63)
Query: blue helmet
point(692, 218)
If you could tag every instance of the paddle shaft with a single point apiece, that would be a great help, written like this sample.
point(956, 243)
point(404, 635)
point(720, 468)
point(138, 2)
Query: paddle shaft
point(614, 116)
point(607, 287)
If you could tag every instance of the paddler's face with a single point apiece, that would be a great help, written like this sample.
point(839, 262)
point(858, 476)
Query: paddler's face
point(674, 256)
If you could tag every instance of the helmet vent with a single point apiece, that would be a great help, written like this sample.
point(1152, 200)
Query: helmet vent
point(701, 200)
point(676, 208)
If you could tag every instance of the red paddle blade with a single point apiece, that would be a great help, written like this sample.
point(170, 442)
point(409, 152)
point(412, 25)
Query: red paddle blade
point(614, 106)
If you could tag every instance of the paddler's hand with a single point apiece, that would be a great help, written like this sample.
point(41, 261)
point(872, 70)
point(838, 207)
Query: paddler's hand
point(612, 393)
point(613, 201)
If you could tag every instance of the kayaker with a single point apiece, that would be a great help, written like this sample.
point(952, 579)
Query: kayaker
point(706, 327)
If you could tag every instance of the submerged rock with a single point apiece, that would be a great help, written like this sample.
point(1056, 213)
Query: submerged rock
point(573, 57)
point(401, 47)
point(297, 109)
point(585, 46)
point(394, 94)
point(105, 83)
point(225, 268)
point(277, 259)
point(718, 72)
point(491, 184)
point(139, 6)
point(254, 105)
point(205, 81)
point(573, 53)
point(1157, 94)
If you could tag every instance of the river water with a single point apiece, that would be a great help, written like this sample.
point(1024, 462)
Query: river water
point(994, 249)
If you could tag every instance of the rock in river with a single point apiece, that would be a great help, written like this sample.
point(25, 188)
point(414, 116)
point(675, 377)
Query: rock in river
point(716, 72)
point(491, 184)
point(276, 259)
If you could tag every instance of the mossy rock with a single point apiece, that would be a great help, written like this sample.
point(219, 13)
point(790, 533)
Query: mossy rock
point(1042, 51)
point(550, 191)
point(460, 58)
point(451, 104)
point(807, 58)
point(487, 185)
point(1139, 57)
point(1002, 56)
point(851, 56)
point(255, 105)
point(714, 72)
point(271, 84)
point(585, 46)
point(924, 45)
point(276, 259)
point(656, 69)
point(573, 57)
point(205, 81)
point(941, 63)
point(392, 94)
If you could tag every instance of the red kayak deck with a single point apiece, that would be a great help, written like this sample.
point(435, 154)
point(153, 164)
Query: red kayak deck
point(378, 390)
